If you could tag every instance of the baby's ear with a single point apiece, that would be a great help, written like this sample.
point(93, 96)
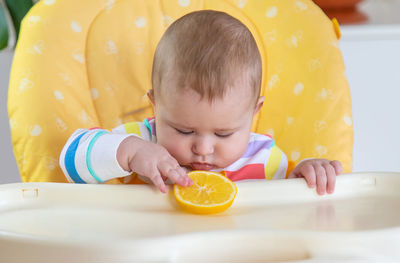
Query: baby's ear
point(259, 104)
point(150, 95)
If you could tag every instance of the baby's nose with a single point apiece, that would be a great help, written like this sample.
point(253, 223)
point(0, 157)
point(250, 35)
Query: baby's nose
point(203, 147)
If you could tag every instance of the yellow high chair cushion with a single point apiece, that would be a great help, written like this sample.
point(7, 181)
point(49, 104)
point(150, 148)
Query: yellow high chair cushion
point(81, 64)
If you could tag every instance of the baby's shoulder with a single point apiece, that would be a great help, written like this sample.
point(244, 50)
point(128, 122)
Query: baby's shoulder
point(260, 142)
point(260, 137)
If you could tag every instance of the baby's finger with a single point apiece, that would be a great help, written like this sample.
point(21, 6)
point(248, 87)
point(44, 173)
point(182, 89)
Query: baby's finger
point(158, 182)
point(321, 179)
point(331, 178)
point(177, 178)
point(169, 170)
point(307, 171)
point(338, 166)
point(182, 172)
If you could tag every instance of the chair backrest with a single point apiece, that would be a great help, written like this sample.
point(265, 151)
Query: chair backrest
point(80, 64)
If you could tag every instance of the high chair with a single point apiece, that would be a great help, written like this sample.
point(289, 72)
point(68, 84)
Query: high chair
point(83, 64)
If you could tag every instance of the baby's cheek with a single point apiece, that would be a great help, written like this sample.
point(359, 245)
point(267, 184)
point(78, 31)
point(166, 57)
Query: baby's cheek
point(177, 149)
point(232, 150)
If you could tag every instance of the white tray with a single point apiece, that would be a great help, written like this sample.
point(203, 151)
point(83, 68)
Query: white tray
point(268, 221)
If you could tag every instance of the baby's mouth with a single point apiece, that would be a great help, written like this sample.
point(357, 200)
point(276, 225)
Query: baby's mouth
point(202, 166)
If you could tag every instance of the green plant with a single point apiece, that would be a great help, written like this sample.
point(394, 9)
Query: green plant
point(16, 10)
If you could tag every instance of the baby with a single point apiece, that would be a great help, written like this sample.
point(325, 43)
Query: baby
point(206, 90)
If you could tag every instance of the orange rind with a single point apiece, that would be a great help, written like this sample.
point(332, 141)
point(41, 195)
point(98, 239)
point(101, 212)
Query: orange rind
point(210, 193)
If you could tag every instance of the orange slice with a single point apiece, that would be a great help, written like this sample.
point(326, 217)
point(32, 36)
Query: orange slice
point(210, 193)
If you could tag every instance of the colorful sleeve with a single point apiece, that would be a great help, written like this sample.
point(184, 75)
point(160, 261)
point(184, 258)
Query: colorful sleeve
point(89, 156)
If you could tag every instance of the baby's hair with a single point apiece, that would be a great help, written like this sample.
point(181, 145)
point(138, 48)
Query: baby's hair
point(209, 52)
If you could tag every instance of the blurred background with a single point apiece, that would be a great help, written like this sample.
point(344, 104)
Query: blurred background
point(370, 45)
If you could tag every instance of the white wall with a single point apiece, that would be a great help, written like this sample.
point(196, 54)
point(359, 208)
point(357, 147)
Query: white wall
point(372, 59)
point(8, 166)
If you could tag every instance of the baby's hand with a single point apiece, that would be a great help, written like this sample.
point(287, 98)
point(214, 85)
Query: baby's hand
point(320, 172)
point(151, 160)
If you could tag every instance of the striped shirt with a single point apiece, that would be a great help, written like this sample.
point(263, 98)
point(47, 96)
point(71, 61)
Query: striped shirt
point(89, 156)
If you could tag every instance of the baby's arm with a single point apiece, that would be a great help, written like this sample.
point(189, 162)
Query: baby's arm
point(90, 156)
point(151, 160)
point(318, 172)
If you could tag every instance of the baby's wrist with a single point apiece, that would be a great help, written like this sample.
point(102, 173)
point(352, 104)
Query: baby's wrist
point(127, 150)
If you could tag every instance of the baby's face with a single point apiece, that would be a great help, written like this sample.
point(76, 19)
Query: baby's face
point(204, 135)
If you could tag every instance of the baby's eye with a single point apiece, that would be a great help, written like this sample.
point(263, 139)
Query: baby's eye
point(223, 135)
point(184, 132)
